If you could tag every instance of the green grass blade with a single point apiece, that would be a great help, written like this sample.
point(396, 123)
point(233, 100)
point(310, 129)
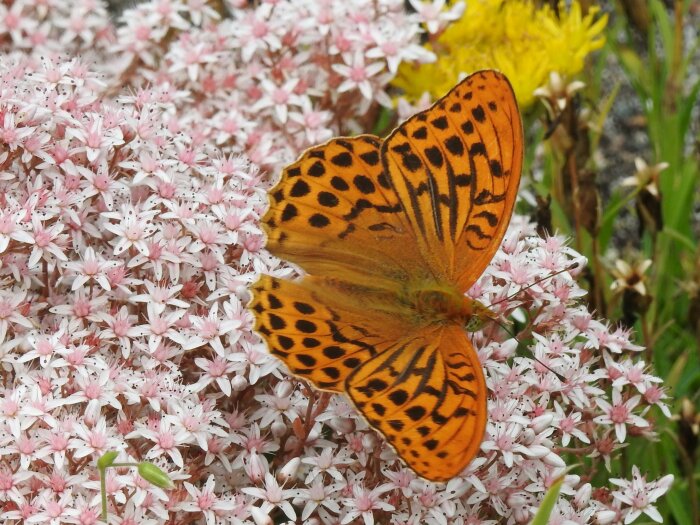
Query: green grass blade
point(548, 502)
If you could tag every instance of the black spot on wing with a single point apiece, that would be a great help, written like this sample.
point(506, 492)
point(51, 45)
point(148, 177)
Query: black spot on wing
point(363, 184)
point(304, 308)
point(434, 156)
point(327, 199)
point(491, 218)
point(289, 212)
point(454, 145)
point(300, 189)
point(477, 148)
point(420, 133)
point(339, 184)
point(318, 220)
point(371, 158)
point(478, 113)
point(317, 169)
point(342, 160)
point(468, 127)
point(440, 122)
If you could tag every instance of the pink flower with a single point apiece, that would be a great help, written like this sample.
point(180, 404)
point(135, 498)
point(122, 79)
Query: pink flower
point(396, 47)
point(320, 494)
point(10, 482)
point(205, 501)
point(97, 140)
point(160, 297)
point(216, 370)
point(166, 440)
point(568, 425)
point(47, 241)
point(363, 502)
point(133, 227)
point(160, 326)
point(620, 414)
point(92, 267)
point(279, 98)
point(120, 326)
point(272, 496)
point(357, 74)
point(93, 440)
point(640, 495)
point(96, 392)
point(12, 135)
point(434, 15)
point(10, 314)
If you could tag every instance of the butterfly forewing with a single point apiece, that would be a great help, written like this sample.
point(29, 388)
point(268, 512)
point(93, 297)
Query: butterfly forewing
point(456, 169)
point(335, 214)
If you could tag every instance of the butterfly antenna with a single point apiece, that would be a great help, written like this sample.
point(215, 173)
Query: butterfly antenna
point(519, 341)
point(511, 296)
point(536, 282)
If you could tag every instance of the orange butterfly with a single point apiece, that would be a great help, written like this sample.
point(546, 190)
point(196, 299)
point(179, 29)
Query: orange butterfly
point(392, 234)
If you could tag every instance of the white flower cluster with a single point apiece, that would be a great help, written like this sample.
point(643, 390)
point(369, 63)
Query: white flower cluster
point(130, 203)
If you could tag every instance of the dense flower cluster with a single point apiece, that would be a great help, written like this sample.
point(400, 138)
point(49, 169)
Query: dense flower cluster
point(527, 43)
point(130, 196)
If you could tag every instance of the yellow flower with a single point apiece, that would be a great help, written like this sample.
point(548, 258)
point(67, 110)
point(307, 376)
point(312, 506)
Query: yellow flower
point(523, 41)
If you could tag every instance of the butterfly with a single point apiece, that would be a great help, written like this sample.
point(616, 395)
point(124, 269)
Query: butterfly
point(391, 234)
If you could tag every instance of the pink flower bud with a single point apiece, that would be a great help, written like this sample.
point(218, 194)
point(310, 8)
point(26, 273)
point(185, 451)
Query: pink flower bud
point(289, 471)
point(256, 468)
point(239, 383)
point(583, 496)
point(278, 429)
point(260, 517)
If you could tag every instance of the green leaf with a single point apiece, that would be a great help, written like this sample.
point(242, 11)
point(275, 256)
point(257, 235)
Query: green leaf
point(677, 501)
point(548, 502)
point(664, 26)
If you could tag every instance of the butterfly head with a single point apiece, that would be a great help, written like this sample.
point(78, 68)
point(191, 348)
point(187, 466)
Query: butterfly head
point(479, 317)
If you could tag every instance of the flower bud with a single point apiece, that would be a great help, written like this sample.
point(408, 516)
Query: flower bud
point(517, 499)
point(605, 516)
point(284, 389)
point(538, 451)
point(527, 437)
point(583, 496)
point(278, 429)
point(106, 459)
point(553, 460)
point(260, 517)
point(239, 383)
point(255, 468)
point(289, 471)
point(521, 515)
point(541, 423)
point(342, 425)
point(155, 475)
point(369, 441)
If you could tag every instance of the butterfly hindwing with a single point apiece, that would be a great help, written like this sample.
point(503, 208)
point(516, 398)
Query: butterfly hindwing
point(426, 394)
point(456, 169)
point(318, 341)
